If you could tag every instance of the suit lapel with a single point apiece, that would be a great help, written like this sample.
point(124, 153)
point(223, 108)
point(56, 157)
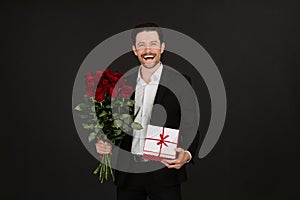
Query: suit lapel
point(131, 80)
point(161, 88)
point(159, 94)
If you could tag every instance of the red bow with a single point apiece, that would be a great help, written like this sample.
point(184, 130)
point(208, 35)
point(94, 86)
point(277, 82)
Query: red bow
point(162, 138)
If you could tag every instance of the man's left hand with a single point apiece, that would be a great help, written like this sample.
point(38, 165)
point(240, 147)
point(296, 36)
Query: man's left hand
point(182, 158)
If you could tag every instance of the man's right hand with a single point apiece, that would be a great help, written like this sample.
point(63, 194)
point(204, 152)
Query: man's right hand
point(103, 147)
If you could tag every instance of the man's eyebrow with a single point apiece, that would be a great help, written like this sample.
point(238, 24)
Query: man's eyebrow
point(150, 41)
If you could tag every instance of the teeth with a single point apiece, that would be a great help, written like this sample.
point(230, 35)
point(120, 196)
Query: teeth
point(149, 56)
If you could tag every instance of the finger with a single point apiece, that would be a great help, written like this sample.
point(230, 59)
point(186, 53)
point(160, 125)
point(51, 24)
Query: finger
point(102, 150)
point(108, 148)
point(177, 166)
point(108, 145)
point(103, 145)
point(179, 150)
point(100, 141)
point(166, 164)
point(170, 162)
point(100, 145)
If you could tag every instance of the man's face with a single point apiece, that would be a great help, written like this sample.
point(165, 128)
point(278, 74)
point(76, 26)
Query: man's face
point(148, 48)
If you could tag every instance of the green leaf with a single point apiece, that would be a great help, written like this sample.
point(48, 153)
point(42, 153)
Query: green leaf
point(128, 120)
point(92, 99)
point(105, 138)
point(92, 136)
point(98, 127)
point(118, 138)
point(84, 116)
point(103, 113)
point(115, 115)
point(117, 103)
point(88, 126)
point(81, 107)
point(117, 132)
point(101, 125)
point(126, 128)
point(136, 126)
point(130, 102)
point(118, 123)
point(88, 99)
point(95, 119)
point(124, 116)
point(93, 109)
point(97, 130)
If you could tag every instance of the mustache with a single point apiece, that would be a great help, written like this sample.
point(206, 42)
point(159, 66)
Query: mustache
point(147, 54)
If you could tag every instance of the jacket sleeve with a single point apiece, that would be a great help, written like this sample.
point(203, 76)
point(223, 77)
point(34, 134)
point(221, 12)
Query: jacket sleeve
point(190, 124)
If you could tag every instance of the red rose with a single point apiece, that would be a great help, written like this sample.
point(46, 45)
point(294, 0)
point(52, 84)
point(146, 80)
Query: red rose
point(126, 91)
point(118, 75)
point(98, 75)
point(100, 94)
point(112, 77)
point(113, 91)
point(104, 83)
point(89, 80)
point(89, 84)
point(107, 73)
point(122, 81)
point(89, 75)
point(89, 91)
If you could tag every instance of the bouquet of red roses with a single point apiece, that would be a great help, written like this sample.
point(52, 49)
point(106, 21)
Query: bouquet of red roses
point(108, 110)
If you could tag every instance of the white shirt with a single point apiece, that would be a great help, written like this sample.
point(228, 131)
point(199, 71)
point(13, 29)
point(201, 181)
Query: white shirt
point(144, 99)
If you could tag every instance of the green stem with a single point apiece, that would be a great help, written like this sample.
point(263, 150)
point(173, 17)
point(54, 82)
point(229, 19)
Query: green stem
point(100, 174)
point(106, 170)
point(97, 169)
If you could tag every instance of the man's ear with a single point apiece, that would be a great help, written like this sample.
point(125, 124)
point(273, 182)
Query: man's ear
point(162, 47)
point(134, 50)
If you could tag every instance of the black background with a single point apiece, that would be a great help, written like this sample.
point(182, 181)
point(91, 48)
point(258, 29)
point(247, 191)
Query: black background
point(254, 45)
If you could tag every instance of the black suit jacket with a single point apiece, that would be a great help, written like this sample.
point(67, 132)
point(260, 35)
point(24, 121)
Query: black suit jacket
point(166, 98)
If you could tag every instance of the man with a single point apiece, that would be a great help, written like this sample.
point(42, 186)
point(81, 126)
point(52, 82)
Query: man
point(164, 183)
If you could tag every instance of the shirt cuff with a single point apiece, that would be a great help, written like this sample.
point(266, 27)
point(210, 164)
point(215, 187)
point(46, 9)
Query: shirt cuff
point(190, 156)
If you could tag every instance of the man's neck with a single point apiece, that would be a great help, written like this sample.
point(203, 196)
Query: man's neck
point(147, 73)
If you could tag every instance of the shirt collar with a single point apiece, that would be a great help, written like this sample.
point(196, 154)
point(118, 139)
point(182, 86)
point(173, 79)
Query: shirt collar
point(155, 76)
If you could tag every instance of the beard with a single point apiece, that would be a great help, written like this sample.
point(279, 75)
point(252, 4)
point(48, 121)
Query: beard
point(150, 65)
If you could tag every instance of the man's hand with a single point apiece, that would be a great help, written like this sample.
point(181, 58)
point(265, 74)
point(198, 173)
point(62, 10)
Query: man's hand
point(103, 147)
point(182, 158)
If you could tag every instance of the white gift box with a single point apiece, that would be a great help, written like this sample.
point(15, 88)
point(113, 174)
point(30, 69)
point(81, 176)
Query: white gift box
point(160, 143)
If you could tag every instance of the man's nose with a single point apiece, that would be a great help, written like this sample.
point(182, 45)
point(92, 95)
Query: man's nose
point(148, 49)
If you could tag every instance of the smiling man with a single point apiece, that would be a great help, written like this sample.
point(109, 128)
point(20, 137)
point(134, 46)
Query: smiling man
point(148, 48)
point(165, 183)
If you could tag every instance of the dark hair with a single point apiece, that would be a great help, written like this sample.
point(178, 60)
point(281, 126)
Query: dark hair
point(149, 26)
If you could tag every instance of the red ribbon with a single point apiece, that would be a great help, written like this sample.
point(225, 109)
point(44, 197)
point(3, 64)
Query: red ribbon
point(162, 140)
